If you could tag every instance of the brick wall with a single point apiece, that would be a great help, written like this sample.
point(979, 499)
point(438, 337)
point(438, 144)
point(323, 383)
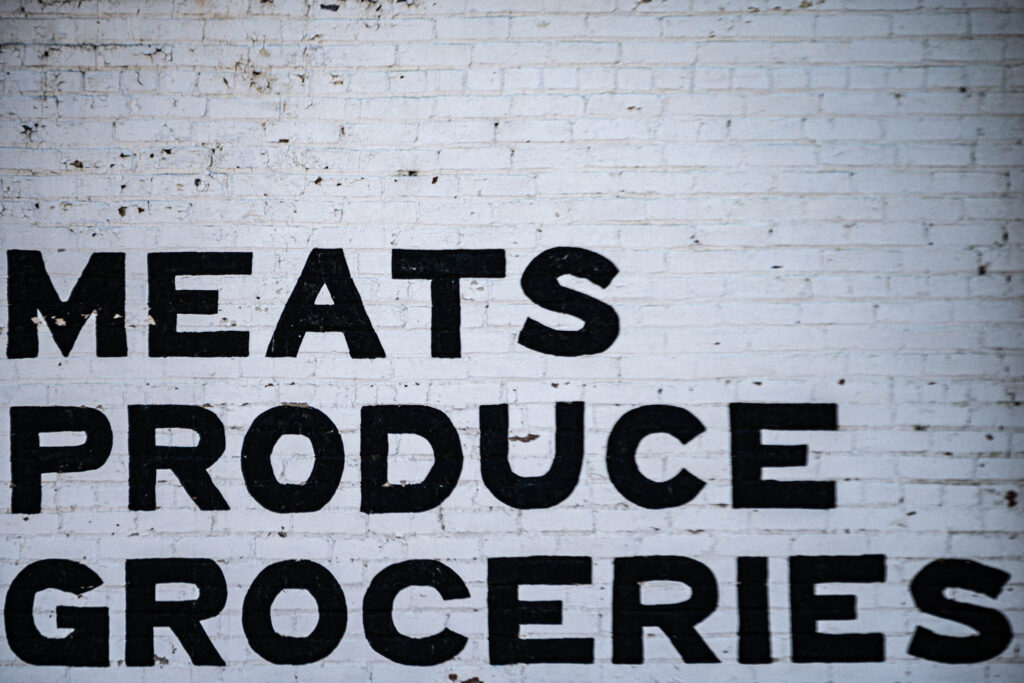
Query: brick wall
point(807, 202)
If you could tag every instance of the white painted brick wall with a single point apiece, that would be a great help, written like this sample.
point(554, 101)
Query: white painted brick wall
point(814, 201)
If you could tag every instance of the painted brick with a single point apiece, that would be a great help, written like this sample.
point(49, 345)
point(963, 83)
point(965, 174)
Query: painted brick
point(806, 202)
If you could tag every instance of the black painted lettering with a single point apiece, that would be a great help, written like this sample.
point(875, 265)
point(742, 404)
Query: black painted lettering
point(540, 284)
point(143, 612)
point(677, 620)
point(328, 454)
point(755, 643)
point(332, 614)
point(432, 425)
point(188, 463)
point(807, 608)
point(993, 629)
point(506, 612)
point(444, 268)
point(379, 623)
point(99, 290)
point(88, 644)
point(546, 490)
point(301, 314)
point(29, 460)
point(167, 302)
point(750, 456)
point(623, 442)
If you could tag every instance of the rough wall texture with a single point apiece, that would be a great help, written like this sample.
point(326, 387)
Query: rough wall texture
point(809, 202)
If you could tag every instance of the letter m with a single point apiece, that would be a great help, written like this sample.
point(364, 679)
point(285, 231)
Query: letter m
point(99, 290)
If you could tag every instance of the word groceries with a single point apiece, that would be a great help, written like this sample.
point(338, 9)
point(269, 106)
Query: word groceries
point(100, 291)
